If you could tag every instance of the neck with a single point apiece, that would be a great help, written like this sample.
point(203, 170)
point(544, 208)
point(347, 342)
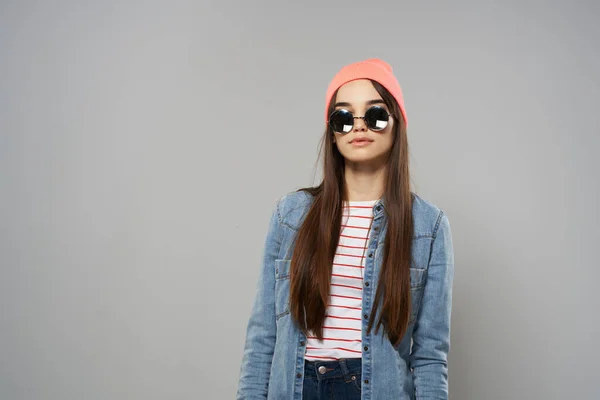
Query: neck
point(363, 182)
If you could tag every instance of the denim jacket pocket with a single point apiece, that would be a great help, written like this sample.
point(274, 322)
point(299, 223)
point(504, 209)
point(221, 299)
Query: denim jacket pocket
point(418, 276)
point(282, 288)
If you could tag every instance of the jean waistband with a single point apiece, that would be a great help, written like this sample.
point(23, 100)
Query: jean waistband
point(342, 368)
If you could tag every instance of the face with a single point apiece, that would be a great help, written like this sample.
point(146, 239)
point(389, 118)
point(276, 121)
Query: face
point(361, 144)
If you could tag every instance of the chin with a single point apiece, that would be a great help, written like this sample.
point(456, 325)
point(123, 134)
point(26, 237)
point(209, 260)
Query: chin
point(361, 158)
point(364, 157)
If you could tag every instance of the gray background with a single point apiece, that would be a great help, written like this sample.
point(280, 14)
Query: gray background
point(143, 146)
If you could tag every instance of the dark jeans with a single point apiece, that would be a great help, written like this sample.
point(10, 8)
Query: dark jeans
point(339, 379)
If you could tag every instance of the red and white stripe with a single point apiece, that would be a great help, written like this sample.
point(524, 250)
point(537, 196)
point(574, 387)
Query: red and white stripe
point(343, 322)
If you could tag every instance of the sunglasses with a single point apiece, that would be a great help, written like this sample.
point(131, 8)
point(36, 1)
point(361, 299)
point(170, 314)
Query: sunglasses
point(376, 118)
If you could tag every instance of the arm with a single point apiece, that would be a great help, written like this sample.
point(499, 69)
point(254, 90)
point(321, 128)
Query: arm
point(431, 335)
point(261, 328)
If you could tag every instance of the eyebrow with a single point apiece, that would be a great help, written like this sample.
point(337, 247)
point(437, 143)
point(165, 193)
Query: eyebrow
point(370, 102)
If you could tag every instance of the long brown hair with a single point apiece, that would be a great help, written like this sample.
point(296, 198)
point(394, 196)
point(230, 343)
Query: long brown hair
point(317, 238)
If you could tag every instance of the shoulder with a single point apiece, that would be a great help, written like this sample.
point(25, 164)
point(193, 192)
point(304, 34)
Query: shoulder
point(427, 217)
point(292, 207)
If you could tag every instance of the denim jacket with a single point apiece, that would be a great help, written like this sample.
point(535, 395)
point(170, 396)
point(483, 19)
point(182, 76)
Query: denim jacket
point(273, 359)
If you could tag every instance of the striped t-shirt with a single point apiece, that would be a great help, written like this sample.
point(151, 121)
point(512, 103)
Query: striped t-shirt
point(342, 332)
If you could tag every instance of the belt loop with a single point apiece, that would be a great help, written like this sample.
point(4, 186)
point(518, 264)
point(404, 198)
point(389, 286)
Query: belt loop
point(345, 371)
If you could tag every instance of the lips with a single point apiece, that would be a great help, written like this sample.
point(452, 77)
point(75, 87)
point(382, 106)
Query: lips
point(361, 140)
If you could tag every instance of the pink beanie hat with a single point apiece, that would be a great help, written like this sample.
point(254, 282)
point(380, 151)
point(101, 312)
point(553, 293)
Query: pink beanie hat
point(374, 69)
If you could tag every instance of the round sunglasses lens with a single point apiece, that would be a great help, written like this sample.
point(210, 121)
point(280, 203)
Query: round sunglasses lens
point(377, 118)
point(341, 121)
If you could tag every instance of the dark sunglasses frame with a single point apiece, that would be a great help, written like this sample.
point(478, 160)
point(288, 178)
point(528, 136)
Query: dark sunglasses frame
point(365, 118)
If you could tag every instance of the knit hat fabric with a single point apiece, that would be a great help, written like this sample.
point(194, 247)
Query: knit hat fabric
point(374, 69)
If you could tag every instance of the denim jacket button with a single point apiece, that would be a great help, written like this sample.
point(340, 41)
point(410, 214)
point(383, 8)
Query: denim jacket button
point(302, 343)
point(298, 375)
point(322, 369)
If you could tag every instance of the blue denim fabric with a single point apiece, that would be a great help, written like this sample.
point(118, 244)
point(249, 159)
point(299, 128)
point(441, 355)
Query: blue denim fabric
point(273, 361)
point(329, 380)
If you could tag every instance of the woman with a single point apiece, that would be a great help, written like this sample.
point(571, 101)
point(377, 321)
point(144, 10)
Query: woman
point(355, 290)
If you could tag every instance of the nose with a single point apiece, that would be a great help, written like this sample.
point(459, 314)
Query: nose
point(359, 125)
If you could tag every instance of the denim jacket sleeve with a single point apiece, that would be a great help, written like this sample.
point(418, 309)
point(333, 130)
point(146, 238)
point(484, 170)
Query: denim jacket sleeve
point(431, 334)
point(261, 329)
